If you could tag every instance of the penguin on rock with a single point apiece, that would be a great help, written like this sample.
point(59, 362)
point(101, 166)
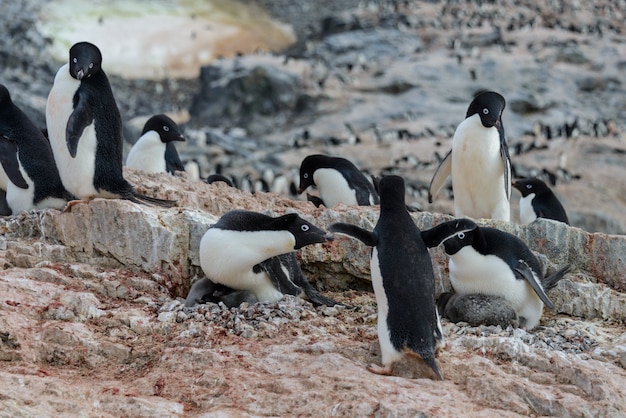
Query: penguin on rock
point(85, 130)
point(150, 152)
point(479, 162)
point(538, 201)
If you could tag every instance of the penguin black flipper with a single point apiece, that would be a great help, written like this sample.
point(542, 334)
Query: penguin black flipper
point(81, 117)
point(363, 188)
point(299, 279)
point(172, 159)
point(10, 163)
point(506, 159)
point(523, 272)
point(551, 281)
point(366, 237)
point(439, 178)
point(273, 267)
point(137, 197)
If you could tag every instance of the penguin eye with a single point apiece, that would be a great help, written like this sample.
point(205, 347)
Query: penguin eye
point(91, 65)
point(305, 175)
point(74, 60)
point(166, 128)
point(485, 111)
point(304, 228)
point(529, 186)
point(461, 235)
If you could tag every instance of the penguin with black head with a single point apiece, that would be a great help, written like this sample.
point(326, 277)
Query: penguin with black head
point(485, 260)
point(29, 175)
point(538, 201)
point(85, 130)
point(403, 281)
point(338, 181)
point(150, 152)
point(479, 162)
point(255, 253)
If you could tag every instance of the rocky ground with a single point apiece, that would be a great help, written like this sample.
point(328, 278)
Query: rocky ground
point(91, 320)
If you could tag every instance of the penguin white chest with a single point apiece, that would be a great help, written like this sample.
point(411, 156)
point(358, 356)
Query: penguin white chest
point(478, 178)
point(388, 352)
point(147, 154)
point(333, 187)
point(472, 272)
point(17, 198)
point(526, 211)
point(76, 173)
point(228, 257)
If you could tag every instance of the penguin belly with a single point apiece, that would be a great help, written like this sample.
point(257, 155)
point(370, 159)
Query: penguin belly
point(227, 257)
point(388, 352)
point(76, 173)
point(526, 211)
point(147, 154)
point(4, 179)
point(471, 272)
point(333, 187)
point(478, 172)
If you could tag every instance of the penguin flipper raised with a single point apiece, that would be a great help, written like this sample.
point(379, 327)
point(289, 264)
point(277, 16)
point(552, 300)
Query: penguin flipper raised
point(439, 178)
point(10, 163)
point(366, 237)
point(523, 272)
point(81, 117)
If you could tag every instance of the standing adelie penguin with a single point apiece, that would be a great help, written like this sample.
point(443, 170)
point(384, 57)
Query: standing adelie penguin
point(28, 175)
point(150, 152)
point(403, 281)
point(479, 163)
point(489, 261)
point(85, 130)
point(338, 181)
point(538, 201)
point(253, 252)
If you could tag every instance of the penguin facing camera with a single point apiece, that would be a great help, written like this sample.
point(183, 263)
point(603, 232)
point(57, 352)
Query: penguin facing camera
point(85, 130)
point(478, 162)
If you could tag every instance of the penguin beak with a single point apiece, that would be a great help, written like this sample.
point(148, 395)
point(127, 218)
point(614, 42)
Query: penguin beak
point(329, 237)
point(80, 74)
point(181, 138)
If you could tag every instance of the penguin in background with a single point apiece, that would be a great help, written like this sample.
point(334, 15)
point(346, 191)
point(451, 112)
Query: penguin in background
point(338, 181)
point(403, 281)
point(155, 151)
point(479, 162)
point(29, 175)
point(538, 201)
point(85, 130)
point(489, 261)
point(252, 252)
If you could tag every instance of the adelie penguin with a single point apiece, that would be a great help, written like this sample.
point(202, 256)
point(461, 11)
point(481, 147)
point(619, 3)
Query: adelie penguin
point(538, 201)
point(338, 181)
point(403, 281)
point(479, 162)
point(155, 151)
point(489, 261)
point(29, 174)
point(254, 253)
point(85, 130)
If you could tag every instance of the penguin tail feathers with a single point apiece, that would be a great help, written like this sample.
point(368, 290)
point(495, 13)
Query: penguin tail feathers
point(429, 359)
point(552, 280)
point(147, 200)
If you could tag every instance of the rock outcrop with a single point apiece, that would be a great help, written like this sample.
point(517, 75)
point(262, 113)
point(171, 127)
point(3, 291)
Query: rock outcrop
point(92, 320)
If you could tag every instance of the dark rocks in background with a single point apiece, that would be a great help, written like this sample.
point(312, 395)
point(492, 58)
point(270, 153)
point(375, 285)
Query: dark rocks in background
point(257, 98)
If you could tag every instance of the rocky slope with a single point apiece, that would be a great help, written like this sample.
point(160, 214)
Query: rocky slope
point(91, 319)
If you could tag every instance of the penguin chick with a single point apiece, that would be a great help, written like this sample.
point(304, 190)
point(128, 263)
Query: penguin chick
point(403, 281)
point(155, 146)
point(250, 251)
point(338, 181)
point(478, 162)
point(477, 309)
point(492, 262)
point(538, 201)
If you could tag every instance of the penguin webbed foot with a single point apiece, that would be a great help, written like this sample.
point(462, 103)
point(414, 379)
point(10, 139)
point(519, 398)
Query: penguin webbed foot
point(70, 204)
point(381, 370)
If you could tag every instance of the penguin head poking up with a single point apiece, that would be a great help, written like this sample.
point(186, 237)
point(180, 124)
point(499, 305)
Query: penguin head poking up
point(489, 106)
point(85, 60)
point(163, 125)
point(454, 235)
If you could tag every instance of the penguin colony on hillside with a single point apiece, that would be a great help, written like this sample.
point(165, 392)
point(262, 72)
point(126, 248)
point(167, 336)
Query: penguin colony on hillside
point(250, 257)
